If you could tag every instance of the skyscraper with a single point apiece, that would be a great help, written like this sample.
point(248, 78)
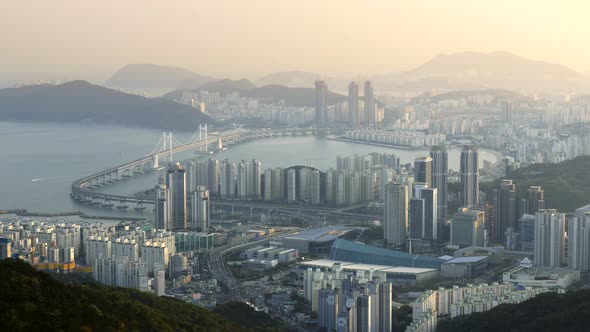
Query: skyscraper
point(430, 227)
point(370, 116)
point(384, 293)
point(206, 173)
point(243, 169)
point(176, 183)
point(248, 179)
point(527, 232)
point(278, 184)
point(291, 185)
point(327, 308)
point(535, 199)
point(440, 171)
point(340, 187)
point(506, 112)
point(161, 208)
point(549, 238)
point(200, 209)
point(315, 186)
point(353, 105)
point(5, 247)
point(256, 178)
point(268, 185)
point(506, 208)
point(395, 222)
point(423, 170)
point(321, 103)
point(422, 213)
point(469, 176)
point(363, 314)
point(416, 218)
point(227, 179)
point(213, 176)
point(579, 240)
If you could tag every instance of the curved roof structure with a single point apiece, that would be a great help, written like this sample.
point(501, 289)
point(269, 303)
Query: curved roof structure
point(348, 251)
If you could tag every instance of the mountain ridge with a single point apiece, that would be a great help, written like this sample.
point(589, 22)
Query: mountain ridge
point(493, 70)
point(273, 93)
point(153, 77)
point(81, 102)
point(446, 71)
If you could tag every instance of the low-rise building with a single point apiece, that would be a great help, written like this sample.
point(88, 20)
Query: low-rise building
point(464, 267)
point(541, 277)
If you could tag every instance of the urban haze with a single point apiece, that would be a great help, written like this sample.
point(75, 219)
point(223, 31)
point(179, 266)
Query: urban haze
point(419, 166)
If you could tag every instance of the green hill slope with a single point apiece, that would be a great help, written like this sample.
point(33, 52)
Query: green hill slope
point(566, 184)
point(34, 301)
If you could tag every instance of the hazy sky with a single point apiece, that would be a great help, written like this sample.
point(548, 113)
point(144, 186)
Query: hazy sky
point(234, 38)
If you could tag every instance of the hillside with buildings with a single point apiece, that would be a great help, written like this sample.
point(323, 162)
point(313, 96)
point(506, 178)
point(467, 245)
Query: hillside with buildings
point(545, 312)
point(566, 184)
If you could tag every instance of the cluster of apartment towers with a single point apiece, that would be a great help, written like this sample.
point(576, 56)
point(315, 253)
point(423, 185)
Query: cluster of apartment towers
point(420, 214)
point(517, 223)
point(354, 105)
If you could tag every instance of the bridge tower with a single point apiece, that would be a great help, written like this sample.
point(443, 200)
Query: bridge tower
point(203, 130)
point(155, 161)
point(170, 146)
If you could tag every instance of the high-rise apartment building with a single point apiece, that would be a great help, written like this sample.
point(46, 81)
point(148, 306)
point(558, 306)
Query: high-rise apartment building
point(291, 185)
point(363, 314)
point(395, 221)
point(162, 217)
point(579, 240)
point(469, 176)
point(328, 308)
point(315, 187)
point(200, 209)
point(527, 232)
point(440, 173)
point(549, 238)
point(227, 179)
point(423, 171)
point(535, 200)
point(176, 183)
point(505, 210)
point(353, 105)
point(430, 226)
point(321, 103)
point(370, 116)
point(506, 112)
point(416, 217)
point(5, 247)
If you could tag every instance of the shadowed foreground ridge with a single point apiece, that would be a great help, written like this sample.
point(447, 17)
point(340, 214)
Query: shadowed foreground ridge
point(34, 301)
point(545, 312)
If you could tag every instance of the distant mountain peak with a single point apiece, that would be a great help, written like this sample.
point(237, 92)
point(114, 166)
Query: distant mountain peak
point(492, 70)
point(158, 78)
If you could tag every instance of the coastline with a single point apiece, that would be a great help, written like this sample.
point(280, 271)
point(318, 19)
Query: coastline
point(383, 145)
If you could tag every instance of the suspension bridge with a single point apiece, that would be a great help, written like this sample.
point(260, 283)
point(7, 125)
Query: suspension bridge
point(164, 150)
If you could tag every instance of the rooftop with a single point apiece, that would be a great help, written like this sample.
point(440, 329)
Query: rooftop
point(362, 253)
point(321, 234)
point(329, 263)
point(467, 259)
